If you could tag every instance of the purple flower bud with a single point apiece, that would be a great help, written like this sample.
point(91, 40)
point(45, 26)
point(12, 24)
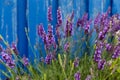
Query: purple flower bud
point(101, 64)
point(77, 76)
point(76, 62)
point(25, 61)
point(50, 13)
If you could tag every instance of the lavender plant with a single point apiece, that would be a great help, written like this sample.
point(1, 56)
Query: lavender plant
point(63, 60)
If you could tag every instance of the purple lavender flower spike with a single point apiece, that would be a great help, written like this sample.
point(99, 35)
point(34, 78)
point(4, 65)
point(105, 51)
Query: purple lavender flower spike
point(14, 48)
point(68, 29)
point(48, 58)
point(97, 20)
point(82, 22)
point(116, 53)
point(77, 76)
point(7, 58)
point(87, 26)
point(25, 61)
point(101, 64)
point(76, 62)
point(49, 13)
point(97, 55)
point(108, 47)
point(66, 47)
point(11, 63)
point(101, 36)
point(59, 17)
point(41, 30)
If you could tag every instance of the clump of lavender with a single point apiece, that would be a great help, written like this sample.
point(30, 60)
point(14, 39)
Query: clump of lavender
point(59, 17)
point(77, 76)
point(49, 13)
point(76, 62)
point(50, 38)
point(7, 58)
point(25, 61)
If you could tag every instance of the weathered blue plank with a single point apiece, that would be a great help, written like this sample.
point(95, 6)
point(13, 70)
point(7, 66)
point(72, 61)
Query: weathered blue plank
point(8, 22)
point(54, 4)
point(80, 7)
point(66, 8)
point(115, 6)
point(21, 24)
point(37, 13)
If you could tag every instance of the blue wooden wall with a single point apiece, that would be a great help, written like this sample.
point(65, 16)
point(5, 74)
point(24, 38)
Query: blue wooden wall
point(15, 15)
